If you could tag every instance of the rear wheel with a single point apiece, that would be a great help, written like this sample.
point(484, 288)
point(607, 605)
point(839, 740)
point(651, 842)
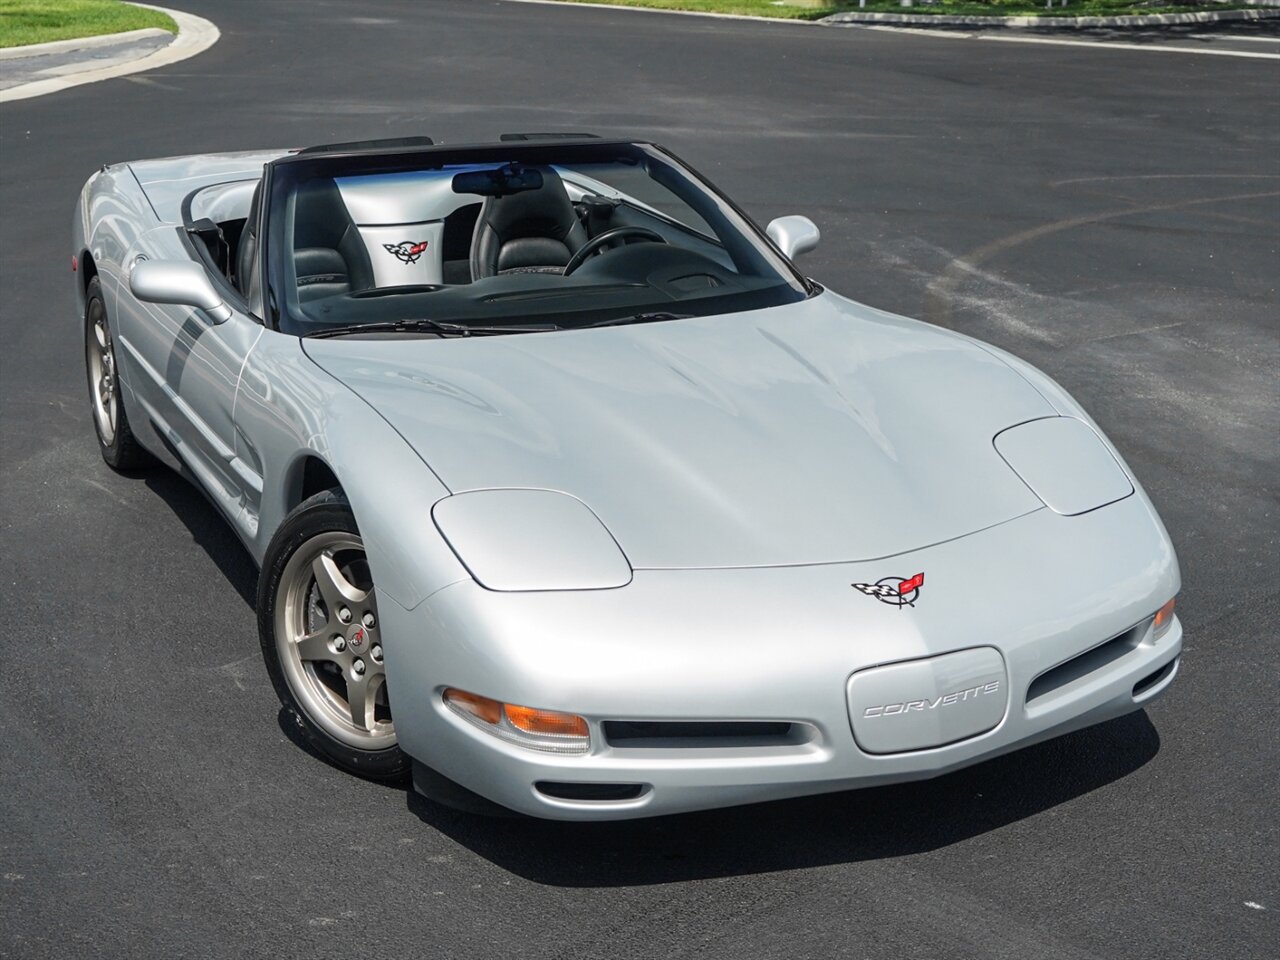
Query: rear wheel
point(321, 639)
point(119, 448)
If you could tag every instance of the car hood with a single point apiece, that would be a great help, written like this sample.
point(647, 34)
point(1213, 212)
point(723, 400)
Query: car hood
point(818, 432)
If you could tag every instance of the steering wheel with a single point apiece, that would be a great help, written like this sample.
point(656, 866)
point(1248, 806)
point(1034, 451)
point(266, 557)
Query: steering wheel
point(595, 244)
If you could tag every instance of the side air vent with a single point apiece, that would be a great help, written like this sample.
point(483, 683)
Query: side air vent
point(1084, 664)
point(1154, 679)
point(589, 792)
point(639, 734)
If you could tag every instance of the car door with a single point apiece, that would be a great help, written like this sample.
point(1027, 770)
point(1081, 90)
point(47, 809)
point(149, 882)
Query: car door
point(186, 370)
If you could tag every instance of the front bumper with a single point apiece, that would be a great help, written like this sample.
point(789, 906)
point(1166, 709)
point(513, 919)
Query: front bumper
point(780, 644)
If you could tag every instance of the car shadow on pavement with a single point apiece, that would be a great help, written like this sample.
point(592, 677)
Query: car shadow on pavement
point(871, 824)
point(209, 530)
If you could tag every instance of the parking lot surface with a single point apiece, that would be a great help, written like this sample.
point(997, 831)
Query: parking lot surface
point(1112, 217)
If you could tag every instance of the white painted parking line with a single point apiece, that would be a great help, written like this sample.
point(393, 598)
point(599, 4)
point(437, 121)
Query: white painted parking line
point(1122, 45)
point(1159, 47)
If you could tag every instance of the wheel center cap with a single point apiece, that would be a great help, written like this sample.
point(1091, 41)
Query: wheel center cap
point(358, 639)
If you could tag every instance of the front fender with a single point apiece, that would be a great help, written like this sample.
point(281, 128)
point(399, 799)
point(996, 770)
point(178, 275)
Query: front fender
point(288, 409)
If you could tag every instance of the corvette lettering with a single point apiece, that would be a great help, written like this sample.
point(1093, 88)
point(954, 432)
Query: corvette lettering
point(406, 251)
point(946, 700)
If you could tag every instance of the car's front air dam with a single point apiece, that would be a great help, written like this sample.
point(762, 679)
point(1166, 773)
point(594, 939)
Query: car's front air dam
point(781, 644)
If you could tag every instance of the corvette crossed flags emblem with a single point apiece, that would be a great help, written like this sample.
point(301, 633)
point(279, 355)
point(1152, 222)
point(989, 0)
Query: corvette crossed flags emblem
point(406, 251)
point(895, 591)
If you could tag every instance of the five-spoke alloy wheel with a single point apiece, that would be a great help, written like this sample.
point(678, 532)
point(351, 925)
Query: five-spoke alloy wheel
point(115, 438)
point(321, 639)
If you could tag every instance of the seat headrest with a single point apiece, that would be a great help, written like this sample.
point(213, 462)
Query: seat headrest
point(545, 212)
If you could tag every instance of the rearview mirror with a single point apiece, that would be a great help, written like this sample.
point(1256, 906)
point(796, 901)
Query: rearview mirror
point(499, 182)
point(794, 235)
point(176, 281)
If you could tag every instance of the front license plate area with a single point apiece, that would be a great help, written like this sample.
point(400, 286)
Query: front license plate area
point(920, 704)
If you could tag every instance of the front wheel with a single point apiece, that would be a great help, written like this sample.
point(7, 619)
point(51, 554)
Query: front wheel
point(119, 448)
point(322, 642)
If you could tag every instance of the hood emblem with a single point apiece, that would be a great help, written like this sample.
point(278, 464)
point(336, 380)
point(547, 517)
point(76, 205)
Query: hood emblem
point(406, 251)
point(895, 591)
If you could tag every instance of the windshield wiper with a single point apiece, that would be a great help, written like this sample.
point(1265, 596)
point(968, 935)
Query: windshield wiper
point(639, 318)
point(433, 326)
point(396, 290)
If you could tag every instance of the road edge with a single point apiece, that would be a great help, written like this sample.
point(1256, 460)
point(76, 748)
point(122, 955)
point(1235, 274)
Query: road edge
point(195, 35)
point(704, 14)
point(854, 18)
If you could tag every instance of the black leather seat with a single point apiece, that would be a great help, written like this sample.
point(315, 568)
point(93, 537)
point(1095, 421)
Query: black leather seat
point(247, 248)
point(329, 255)
point(535, 231)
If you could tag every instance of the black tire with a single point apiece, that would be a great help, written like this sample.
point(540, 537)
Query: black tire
point(116, 442)
point(315, 690)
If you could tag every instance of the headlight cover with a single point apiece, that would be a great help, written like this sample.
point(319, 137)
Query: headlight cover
point(520, 540)
point(1064, 463)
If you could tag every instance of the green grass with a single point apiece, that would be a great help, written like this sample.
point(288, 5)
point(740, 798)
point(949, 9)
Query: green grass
point(989, 8)
point(39, 21)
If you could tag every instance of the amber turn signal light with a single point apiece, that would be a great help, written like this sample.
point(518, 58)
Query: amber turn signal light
point(1163, 620)
point(546, 722)
point(548, 730)
point(482, 708)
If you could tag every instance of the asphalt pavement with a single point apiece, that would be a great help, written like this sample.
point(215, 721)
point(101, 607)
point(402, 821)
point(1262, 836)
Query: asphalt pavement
point(1110, 215)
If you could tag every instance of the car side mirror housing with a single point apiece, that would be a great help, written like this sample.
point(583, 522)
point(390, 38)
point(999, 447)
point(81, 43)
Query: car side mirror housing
point(175, 281)
point(794, 235)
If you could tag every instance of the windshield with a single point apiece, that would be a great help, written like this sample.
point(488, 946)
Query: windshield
point(509, 238)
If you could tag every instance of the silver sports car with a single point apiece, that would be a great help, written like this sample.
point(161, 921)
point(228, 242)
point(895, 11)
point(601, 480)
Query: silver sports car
point(572, 495)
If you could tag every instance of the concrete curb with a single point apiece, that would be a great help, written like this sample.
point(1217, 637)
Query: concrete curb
point(79, 43)
point(706, 15)
point(1266, 9)
point(854, 18)
point(195, 35)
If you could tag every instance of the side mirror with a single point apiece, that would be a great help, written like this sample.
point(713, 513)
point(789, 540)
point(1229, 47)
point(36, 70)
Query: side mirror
point(794, 235)
point(175, 281)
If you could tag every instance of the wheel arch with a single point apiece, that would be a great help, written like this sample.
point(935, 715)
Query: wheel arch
point(87, 270)
point(310, 474)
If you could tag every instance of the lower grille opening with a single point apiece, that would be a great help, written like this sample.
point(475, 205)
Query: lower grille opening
point(592, 792)
point(1086, 663)
point(1149, 681)
point(703, 733)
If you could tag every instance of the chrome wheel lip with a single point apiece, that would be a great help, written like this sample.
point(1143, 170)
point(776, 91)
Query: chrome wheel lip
point(324, 706)
point(104, 391)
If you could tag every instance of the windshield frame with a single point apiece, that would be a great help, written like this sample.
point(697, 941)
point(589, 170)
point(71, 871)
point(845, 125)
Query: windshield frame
point(282, 176)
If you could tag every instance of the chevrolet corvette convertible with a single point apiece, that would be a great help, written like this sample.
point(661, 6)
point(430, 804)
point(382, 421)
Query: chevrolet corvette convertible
point(571, 495)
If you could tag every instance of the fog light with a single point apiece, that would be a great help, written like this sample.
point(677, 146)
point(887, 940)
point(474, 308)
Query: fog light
point(548, 730)
point(1163, 621)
